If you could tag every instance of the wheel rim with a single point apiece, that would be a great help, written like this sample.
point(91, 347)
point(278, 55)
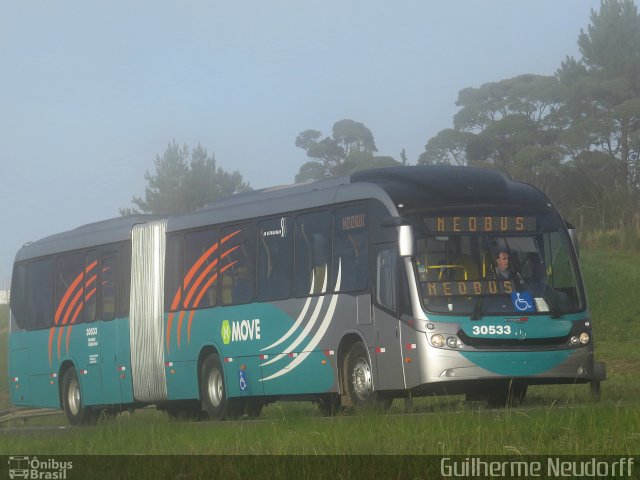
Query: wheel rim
point(361, 378)
point(73, 397)
point(215, 387)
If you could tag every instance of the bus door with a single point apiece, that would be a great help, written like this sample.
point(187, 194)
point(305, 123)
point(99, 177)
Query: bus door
point(111, 365)
point(388, 354)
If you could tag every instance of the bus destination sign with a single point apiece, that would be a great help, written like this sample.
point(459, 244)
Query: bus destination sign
point(481, 224)
point(468, 288)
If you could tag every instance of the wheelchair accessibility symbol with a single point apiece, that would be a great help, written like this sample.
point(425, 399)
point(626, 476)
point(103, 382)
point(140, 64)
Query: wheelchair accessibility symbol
point(522, 302)
point(242, 378)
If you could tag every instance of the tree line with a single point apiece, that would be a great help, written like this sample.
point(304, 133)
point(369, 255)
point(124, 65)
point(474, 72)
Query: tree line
point(575, 135)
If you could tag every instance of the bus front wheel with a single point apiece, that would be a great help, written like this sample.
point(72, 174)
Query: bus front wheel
point(358, 376)
point(75, 411)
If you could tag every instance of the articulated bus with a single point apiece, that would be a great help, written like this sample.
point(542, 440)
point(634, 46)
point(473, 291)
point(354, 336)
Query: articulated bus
point(348, 291)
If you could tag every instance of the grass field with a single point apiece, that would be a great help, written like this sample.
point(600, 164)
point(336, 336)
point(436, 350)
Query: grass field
point(552, 420)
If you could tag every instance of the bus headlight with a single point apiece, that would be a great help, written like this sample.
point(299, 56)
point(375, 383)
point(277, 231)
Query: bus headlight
point(454, 342)
point(437, 340)
point(580, 340)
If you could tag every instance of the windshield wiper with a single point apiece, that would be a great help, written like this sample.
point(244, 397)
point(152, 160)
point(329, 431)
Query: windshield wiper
point(477, 309)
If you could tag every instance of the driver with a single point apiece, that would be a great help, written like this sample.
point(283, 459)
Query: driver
point(502, 265)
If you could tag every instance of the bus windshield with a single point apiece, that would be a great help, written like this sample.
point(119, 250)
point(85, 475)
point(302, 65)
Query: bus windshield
point(496, 264)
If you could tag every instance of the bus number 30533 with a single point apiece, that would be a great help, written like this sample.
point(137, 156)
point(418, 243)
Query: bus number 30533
point(491, 330)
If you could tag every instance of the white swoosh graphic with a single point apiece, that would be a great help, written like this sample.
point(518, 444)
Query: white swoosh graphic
point(307, 328)
point(298, 321)
point(319, 334)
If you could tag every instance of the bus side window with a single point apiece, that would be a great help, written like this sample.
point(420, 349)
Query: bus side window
point(199, 278)
point(275, 259)
point(18, 297)
point(69, 285)
point(312, 253)
point(174, 263)
point(351, 240)
point(237, 257)
point(386, 279)
point(41, 293)
point(108, 286)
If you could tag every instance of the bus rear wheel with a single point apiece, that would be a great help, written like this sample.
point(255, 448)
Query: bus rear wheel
point(329, 405)
point(254, 408)
point(74, 410)
point(190, 410)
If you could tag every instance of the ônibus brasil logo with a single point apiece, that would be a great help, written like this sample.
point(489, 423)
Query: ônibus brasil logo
point(32, 467)
point(240, 330)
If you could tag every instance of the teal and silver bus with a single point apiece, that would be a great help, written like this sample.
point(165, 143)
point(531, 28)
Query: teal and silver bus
point(349, 292)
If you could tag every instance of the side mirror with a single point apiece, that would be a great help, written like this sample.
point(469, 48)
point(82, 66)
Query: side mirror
point(405, 240)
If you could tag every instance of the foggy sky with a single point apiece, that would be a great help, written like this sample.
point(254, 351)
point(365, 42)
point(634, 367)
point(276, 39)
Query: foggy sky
point(92, 93)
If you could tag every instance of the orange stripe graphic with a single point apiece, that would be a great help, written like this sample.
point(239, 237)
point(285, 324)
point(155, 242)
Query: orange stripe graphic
point(67, 341)
point(66, 296)
point(185, 283)
point(77, 312)
point(204, 289)
point(194, 268)
point(199, 298)
point(90, 281)
point(202, 292)
point(72, 305)
point(179, 327)
point(201, 277)
point(208, 284)
point(63, 302)
point(90, 294)
point(176, 299)
point(71, 289)
point(68, 333)
point(73, 320)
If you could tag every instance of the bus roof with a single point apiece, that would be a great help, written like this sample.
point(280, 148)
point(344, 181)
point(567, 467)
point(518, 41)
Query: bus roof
point(417, 187)
point(401, 189)
point(279, 200)
point(93, 234)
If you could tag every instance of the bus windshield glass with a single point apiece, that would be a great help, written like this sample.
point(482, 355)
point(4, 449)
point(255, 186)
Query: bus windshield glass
point(496, 264)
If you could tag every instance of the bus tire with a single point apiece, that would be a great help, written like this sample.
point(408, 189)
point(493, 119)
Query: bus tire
point(190, 410)
point(213, 392)
point(358, 377)
point(329, 405)
point(509, 394)
point(595, 389)
point(254, 407)
point(74, 410)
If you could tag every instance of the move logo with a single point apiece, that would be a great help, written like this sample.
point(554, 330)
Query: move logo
point(226, 332)
point(240, 330)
